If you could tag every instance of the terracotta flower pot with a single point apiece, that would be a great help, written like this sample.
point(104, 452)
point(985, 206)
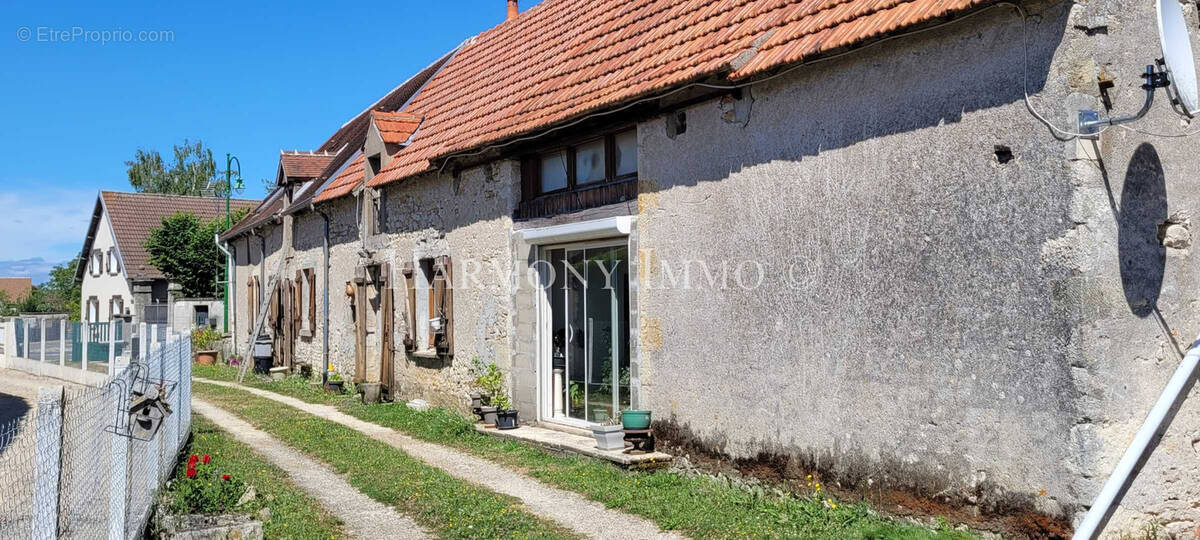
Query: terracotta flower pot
point(206, 358)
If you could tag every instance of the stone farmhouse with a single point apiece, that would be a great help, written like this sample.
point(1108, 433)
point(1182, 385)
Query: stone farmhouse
point(811, 236)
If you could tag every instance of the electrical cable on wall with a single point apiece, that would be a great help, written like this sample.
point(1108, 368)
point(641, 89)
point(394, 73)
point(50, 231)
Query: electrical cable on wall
point(1062, 133)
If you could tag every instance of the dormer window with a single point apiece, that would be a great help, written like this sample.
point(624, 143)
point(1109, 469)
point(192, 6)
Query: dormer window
point(374, 165)
point(551, 180)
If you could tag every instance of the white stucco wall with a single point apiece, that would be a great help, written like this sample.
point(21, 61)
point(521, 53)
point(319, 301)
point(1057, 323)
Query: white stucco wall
point(107, 284)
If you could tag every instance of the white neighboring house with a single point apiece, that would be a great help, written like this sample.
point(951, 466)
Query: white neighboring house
point(116, 276)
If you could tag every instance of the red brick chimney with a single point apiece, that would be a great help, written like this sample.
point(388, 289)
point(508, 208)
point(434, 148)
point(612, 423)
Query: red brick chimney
point(513, 11)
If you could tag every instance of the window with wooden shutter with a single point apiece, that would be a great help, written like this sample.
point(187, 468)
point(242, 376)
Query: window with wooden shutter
point(311, 276)
point(443, 302)
point(410, 307)
point(250, 304)
point(298, 302)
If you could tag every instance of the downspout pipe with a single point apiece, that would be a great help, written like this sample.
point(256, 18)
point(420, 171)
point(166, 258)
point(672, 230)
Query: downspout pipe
point(324, 296)
point(230, 292)
point(1098, 514)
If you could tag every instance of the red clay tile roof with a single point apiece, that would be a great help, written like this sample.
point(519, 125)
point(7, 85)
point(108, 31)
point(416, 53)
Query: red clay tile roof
point(304, 165)
point(267, 209)
point(345, 182)
point(16, 289)
point(133, 215)
point(527, 74)
point(354, 131)
point(396, 128)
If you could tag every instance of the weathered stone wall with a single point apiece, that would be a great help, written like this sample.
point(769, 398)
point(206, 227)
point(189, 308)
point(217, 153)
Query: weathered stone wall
point(469, 218)
point(931, 313)
point(343, 257)
point(1139, 292)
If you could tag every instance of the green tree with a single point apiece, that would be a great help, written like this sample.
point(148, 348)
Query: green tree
point(190, 173)
point(183, 250)
point(62, 293)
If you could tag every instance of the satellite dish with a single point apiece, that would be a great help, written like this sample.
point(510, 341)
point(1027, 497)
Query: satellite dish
point(1177, 52)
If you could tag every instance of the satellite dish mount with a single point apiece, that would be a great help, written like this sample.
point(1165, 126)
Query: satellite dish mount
point(1176, 69)
point(1090, 122)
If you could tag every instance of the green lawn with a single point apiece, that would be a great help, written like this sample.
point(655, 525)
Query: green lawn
point(293, 513)
point(447, 506)
point(701, 507)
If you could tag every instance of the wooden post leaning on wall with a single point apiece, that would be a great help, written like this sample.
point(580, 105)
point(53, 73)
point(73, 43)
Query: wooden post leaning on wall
point(386, 338)
point(360, 329)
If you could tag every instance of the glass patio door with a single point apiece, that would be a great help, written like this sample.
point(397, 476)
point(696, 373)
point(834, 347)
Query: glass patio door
point(589, 305)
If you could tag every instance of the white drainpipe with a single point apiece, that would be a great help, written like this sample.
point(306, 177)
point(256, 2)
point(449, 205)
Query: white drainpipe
point(231, 301)
point(1090, 526)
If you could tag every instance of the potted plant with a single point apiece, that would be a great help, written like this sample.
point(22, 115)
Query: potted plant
point(506, 416)
point(499, 413)
point(334, 383)
point(635, 419)
point(609, 435)
point(203, 340)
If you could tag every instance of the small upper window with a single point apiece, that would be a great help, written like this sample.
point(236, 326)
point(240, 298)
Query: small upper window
point(589, 162)
point(606, 159)
point(554, 172)
point(625, 145)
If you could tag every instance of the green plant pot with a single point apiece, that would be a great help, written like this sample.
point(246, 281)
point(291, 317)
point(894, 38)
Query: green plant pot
point(635, 419)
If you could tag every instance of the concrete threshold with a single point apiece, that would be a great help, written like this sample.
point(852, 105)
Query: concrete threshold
point(570, 443)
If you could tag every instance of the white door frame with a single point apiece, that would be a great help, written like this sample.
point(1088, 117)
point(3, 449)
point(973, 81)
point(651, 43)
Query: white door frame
point(545, 391)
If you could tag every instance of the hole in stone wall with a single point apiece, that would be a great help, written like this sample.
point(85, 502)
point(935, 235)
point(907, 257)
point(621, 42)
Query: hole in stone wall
point(676, 124)
point(1004, 154)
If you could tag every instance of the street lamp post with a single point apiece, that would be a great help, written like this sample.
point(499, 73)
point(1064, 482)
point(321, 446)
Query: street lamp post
point(229, 187)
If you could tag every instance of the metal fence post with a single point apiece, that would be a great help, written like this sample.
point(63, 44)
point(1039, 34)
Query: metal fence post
point(118, 483)
point(62, 341)
point(156, 353)
point(25, 338)
point(10, 341)
point(42, 330)
point(47, 462)
point(112, 345)
point(83, 343)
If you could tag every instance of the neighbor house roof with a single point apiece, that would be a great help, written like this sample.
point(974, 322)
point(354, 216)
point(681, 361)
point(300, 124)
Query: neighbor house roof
point(395, 128)
point(527, 75)
point(304, 164)
point(16, 288)
point(134, 215)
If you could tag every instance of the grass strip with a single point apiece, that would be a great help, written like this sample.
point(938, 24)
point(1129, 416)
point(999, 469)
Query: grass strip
point(293, 514)
point(447, 506)
point(699, 506)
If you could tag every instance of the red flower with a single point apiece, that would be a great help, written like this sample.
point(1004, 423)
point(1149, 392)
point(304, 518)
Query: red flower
point(191, 473)
point(192, 460)
point(206, 459)
point(225, 477)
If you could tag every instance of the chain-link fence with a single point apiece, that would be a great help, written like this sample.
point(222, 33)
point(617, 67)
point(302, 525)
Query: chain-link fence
point(88, 461)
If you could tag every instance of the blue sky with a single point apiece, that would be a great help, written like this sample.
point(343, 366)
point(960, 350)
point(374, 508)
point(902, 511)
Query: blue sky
point(247, 79)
